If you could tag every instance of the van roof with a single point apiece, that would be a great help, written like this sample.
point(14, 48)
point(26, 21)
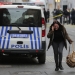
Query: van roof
point(16, 6)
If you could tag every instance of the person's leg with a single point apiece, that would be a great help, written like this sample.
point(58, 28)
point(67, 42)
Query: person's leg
point(60, 51)
point(48, 19)
point(69, 19)
point(55, 49)
point(61, 19)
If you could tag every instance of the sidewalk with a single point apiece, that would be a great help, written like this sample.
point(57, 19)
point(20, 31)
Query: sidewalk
point(50, 69)
point(69, 25)
point(67, 70)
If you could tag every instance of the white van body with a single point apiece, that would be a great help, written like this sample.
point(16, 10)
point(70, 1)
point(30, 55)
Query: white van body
point(22, 31)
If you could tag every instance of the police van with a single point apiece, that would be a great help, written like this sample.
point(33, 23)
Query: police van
point(23, 31)
point(24, 3)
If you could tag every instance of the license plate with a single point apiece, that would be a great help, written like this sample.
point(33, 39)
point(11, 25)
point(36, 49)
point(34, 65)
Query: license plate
point(19, 35)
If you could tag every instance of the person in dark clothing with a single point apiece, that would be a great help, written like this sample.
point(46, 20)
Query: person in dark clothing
point(58, 12)
point(69, 13)
point(58, 35)
point(54, 14)
point(66, 16)
point(48, 15)
point(45, 14)
point(73, 16)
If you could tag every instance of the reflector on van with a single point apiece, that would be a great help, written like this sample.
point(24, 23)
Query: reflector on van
point(20, 6)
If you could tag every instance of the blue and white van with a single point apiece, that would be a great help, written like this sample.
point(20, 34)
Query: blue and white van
point(23, 31)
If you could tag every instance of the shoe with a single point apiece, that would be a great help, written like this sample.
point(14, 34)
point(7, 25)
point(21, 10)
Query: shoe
point(57, 69)
point(60, 66)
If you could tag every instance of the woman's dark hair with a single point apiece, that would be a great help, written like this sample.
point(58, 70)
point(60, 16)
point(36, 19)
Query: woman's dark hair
point(56, 22)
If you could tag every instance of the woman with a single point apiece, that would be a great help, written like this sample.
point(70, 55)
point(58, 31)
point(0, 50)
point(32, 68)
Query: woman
point(58, 36)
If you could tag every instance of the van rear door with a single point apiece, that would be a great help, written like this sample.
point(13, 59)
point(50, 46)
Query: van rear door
point(20, 28)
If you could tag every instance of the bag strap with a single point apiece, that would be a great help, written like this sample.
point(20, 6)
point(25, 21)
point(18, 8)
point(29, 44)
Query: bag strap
point(70, 48)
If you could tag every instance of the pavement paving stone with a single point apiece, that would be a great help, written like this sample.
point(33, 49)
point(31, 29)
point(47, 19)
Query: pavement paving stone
point(67, 70)
point(51, 59)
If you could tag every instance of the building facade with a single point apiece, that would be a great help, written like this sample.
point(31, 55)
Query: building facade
point(50, 4)
point(16, 0)
point(1, 0)
point(63, 4)
point(68, 3)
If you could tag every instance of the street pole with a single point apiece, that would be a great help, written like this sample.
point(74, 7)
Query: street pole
point(55, 5)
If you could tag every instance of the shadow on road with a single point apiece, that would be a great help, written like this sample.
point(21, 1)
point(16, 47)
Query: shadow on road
point(13, 60)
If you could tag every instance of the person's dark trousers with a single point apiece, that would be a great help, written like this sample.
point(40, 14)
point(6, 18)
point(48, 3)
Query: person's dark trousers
point(72, 21)
point(58, 53)
point(69, 19)
point(61, 19)
point(48, 19)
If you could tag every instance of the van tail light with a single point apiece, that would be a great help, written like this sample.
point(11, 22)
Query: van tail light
point(2, 51)
point(43, 27)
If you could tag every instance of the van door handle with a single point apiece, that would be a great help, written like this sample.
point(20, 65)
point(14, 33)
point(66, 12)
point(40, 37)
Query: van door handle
point(19, 42)
point(17, 32)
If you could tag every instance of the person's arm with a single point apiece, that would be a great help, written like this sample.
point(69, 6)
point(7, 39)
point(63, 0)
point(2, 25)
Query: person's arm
point(50, 33)
point(67, 36)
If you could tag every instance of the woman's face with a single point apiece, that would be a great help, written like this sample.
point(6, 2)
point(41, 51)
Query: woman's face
point(56, 26)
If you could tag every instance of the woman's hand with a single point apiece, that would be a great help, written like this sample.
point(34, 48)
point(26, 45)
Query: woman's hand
point(70, 42)
point(52, 28)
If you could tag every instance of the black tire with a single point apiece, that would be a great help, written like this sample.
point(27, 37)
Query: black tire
point(42, 58)
point(1, 57)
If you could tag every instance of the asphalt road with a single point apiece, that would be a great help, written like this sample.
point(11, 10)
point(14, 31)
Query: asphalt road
point(30, 66)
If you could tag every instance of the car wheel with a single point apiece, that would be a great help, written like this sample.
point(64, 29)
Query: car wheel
point(42, 58)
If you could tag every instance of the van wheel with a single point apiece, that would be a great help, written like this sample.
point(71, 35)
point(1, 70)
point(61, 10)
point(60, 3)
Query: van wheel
point(1, 54)
point(42, 58)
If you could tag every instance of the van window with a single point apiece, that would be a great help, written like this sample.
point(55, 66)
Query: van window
point(20, 16)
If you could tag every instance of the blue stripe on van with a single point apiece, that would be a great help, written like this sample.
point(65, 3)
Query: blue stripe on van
point(31, 39)
point(4, 40)
point(2, 29)
point(38, 36)
point(8, 39)
point(35, 41)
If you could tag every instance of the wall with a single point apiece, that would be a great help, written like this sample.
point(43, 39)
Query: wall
point(51, 5)
point(73, 3)
point(1, 0)
point(16, 0)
